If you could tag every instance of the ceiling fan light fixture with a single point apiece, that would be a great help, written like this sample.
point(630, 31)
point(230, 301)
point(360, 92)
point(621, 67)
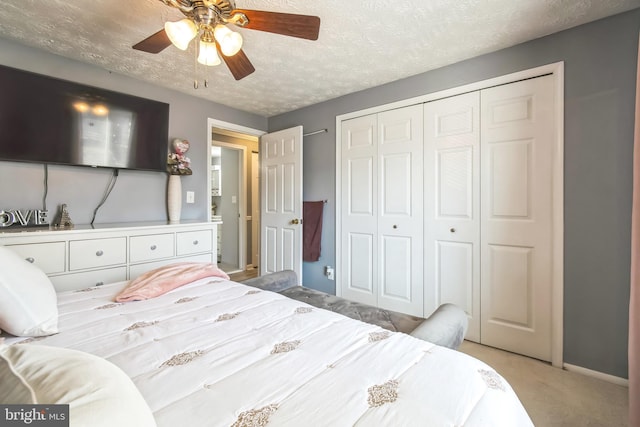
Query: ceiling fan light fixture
point(208, 54)
point(181, 32)
point(230, 41)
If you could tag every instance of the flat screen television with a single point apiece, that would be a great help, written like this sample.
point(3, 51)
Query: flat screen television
point(48, 120)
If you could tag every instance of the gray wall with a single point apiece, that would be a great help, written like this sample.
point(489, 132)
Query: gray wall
point(600, 66)
point(600, 62)
point(137, 196)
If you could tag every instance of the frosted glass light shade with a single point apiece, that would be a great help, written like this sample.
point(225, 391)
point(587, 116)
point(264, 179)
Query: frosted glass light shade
point(208, 54)
point(230, 41)
point(181, 32)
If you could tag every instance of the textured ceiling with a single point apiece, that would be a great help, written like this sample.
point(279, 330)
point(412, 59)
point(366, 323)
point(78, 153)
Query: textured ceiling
point(361, 44)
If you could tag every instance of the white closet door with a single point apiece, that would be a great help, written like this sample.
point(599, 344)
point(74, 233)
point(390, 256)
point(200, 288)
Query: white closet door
point(452, 206)
point(382, 208)
point(518, 127)
point(359, 213)
point(400, 216)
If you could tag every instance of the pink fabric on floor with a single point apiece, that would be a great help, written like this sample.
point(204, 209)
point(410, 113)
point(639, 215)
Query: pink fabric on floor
point(634, 301)
point(164, 279)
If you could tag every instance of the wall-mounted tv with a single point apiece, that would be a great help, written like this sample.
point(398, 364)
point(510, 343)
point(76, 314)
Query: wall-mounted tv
point(48, 120)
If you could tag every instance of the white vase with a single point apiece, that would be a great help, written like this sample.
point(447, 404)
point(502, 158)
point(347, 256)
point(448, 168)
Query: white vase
point(174, 198)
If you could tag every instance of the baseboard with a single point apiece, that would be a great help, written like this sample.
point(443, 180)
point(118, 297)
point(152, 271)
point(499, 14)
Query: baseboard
point(596, 374)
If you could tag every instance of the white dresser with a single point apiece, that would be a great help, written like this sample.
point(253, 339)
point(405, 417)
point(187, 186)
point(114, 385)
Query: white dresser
point(87, 256)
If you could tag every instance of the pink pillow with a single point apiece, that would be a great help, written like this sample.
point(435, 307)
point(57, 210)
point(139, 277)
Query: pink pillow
point(164, 279)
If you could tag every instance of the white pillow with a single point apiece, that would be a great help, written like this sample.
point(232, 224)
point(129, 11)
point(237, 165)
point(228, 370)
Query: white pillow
point(97, 391)
point(28, 302)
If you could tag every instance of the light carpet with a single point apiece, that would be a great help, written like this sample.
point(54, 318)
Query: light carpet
point(555, 397)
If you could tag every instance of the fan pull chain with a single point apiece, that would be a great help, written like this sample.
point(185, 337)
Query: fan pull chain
point(195, 68)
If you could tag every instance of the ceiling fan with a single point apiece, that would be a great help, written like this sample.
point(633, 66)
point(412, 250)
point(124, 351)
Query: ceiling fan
point(208, 20)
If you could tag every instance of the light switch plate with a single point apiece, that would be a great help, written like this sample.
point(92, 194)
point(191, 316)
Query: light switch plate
point(191, 197)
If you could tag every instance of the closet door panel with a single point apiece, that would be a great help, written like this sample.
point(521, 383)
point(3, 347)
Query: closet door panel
point(454, 261)
point(359, 213)
point(400, 206)
point(518, 125)
point(360, 269)
point(396, 272)
point(452, 206)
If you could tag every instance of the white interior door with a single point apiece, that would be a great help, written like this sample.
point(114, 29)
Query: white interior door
point(281, 201)
point(518, 128)
point(452, 206)
point(400, 210)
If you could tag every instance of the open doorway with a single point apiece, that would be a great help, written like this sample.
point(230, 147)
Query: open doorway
point(234, 152)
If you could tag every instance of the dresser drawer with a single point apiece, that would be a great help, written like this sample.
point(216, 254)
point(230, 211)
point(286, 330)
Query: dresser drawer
point(94, 253)
point(192, 242)
point(49, 256)
point(154, 246)
point(67, 282)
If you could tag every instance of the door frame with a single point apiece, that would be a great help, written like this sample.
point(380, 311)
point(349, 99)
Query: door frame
point(557, 286)
point(242, 196)
point(256, 209)
point(232, 127)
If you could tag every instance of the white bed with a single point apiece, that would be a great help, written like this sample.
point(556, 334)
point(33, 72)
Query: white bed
point(219, 353)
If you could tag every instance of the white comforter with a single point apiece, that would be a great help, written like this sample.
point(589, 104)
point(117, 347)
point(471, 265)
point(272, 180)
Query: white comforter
point(219, 353)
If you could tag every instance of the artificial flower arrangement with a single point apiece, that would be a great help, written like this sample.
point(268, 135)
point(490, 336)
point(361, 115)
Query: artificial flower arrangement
point(178, 163)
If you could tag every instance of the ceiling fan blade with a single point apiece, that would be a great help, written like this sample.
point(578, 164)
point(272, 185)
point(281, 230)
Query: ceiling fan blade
point(288, 24)
point(155, 43)
point(238, 64)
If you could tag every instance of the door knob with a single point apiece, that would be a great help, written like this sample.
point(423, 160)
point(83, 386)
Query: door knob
point(295, 221)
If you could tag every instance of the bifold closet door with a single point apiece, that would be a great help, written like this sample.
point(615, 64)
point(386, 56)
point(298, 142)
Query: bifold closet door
point(400, 210)
point(517, 141)
point(382, 210)
point(452, 206)
point(359, 213)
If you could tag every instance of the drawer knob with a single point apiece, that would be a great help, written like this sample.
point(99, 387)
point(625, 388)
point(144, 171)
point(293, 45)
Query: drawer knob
point(153, 247)
point(99, 283)
point(453, 230)
point(99, 253)
point(195, 242)
point(31, 260)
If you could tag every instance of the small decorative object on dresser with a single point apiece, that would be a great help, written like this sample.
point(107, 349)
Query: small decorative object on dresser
point(177, 165)
point(64, 219)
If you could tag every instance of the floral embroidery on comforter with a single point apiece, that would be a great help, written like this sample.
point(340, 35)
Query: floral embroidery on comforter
point(236, 357)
